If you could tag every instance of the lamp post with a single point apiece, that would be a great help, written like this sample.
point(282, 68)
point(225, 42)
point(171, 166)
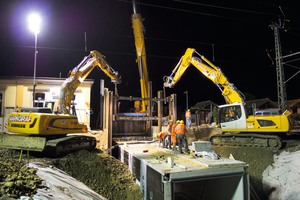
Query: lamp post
point(34, 25)
point(187, 99)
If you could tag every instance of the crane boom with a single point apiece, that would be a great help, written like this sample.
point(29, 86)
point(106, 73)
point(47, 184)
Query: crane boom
point(138, 31)
point(209, 70)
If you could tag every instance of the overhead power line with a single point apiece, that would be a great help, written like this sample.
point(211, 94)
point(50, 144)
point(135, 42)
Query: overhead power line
point(194, 12)
point(226, 8)
point(116, 53)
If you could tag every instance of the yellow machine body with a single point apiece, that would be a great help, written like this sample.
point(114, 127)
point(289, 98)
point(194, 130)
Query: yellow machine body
point(44, 124)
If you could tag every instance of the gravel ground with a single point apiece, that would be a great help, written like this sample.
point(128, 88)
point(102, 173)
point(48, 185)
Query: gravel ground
point(99, 171)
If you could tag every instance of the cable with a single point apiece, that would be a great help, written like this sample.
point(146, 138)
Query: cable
point(226, 8)
point(292, 61)
point(292, 76)
point(120, 53)
point(194, 12)
point(291, 66)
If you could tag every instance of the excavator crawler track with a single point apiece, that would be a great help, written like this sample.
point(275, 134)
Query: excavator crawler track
point(64, 145)
point(52, 147)
point(272, 142)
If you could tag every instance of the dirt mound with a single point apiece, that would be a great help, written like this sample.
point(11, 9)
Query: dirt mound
point(102, 173)
point(15, 180)
point(99, 171)
point(201, 133)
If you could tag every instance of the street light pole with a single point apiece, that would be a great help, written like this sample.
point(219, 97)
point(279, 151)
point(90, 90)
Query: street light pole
point(34, 25)
point(187, 99)
point(34, 70)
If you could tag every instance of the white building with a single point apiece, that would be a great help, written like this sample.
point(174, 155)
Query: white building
point(18, 91)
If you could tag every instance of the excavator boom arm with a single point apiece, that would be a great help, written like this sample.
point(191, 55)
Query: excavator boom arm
point(79, 74)
point(209, 70)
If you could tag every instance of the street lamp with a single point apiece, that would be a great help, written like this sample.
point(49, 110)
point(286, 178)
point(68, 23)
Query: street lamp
point(34, 25)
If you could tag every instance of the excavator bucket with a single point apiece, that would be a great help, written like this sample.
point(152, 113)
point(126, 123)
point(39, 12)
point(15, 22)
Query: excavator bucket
point(10, 141)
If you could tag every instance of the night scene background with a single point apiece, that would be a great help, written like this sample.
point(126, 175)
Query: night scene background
point(233, 35)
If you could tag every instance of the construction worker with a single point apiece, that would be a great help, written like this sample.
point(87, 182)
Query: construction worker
point(188, 118)
point(180, 134)
point(173, 134)
point(161, 135)
point(167, 137)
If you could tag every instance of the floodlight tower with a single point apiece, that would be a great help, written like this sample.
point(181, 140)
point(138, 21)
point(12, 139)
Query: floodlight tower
point(34, 25)
point(281, 88)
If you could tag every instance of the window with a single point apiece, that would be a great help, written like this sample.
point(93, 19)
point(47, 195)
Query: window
point(266, 113)
point(258, 114)
point(39, 99)
point(264, 123)
point(230, 113)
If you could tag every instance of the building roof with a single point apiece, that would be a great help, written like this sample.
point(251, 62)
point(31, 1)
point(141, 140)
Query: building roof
point(203, 105)
point(293, 103)
point(261, 102)
point(27, 80)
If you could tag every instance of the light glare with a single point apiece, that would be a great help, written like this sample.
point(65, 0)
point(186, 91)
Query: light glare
point(34, 23)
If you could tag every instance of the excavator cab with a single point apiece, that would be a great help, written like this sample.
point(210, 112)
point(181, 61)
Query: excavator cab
point(232, 116)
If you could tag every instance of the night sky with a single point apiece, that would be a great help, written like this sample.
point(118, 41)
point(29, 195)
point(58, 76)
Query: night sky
point(234, 35)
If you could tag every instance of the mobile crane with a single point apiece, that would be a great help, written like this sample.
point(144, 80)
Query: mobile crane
point(238, 128)
point(138, 31)
point(38, 129)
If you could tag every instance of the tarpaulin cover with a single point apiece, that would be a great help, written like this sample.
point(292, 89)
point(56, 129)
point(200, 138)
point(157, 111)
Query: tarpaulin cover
point(283, 176)
point(60, 185)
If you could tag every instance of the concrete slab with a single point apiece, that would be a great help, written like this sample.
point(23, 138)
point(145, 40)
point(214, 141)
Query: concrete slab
point(183, 162)
point(165, 174)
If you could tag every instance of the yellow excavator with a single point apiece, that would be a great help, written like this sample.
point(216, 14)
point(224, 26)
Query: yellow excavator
point(38, 129)
point(263, 129)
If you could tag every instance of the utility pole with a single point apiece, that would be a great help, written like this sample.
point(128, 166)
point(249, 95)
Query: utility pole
point(187, 99)
point(281, 88)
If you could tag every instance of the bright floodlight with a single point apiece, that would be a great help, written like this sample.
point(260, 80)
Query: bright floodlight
point(34, 23)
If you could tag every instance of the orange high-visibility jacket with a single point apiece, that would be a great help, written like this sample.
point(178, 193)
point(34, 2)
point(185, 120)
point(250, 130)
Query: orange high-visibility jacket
point(162, 134)
point(188, 114)
point(180, 129)
point(173, 134)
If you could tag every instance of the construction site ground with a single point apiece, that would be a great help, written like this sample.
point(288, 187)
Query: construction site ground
point(112, 179)
point(258, 159)
point(101, 172)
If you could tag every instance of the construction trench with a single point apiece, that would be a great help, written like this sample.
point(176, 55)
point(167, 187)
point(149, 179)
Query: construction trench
point(129, 164)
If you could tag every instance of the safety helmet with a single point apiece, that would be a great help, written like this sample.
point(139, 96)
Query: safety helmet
point(189, 110)
point(181, 122)
point(171, 121)
point(178, 121)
